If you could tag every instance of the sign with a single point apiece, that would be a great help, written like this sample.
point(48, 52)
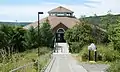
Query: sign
point(92, 47)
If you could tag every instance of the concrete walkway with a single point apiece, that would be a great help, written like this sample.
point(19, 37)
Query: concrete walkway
point(64, 63)
point(95, 67)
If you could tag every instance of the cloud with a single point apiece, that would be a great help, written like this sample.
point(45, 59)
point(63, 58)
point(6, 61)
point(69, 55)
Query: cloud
point(29, 12)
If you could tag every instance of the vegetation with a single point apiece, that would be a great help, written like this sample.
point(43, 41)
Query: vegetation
point(24, 58)
point(104, 31)
point(15, 23)
point(103, 53)
point(114, 35)
point(84, 33)
point(115, 66)
point(102, 21)
point(16, 41)
point(78, 36)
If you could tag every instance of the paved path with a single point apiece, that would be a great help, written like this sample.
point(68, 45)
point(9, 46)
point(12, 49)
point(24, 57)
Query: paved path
point(95, 67)
point(64, 63)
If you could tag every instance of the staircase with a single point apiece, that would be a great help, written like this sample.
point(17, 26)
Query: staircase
point(61, 48)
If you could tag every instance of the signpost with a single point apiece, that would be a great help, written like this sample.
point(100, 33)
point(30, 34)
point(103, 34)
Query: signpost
point(92, 47)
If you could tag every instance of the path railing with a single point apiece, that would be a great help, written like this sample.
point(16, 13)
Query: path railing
point(26, 68)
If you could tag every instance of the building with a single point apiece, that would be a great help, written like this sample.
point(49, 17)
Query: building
point(60, 20)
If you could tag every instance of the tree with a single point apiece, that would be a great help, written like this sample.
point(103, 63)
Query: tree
point(11, 38)
point(108, 20)
point(46, 34)
point(114, 35)
point(31, 38)
point(78, 36)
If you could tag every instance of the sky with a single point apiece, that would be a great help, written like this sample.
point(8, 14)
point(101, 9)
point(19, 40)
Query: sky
point(26, 10)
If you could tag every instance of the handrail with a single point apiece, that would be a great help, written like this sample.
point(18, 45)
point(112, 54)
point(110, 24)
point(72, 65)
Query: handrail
point(45, 67)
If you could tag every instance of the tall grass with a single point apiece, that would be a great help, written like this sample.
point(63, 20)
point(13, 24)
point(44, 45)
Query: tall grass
point(20, 59)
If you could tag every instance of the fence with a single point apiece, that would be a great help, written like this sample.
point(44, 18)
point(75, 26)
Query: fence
point(26, 68)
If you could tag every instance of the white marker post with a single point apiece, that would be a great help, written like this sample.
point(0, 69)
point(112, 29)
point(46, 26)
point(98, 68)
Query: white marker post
point(92, 47)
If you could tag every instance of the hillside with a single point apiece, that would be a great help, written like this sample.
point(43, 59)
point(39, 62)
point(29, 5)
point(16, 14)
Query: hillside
point(103, 20)
point(16, 23)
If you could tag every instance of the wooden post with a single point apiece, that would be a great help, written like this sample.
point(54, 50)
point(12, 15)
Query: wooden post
point(95, 56)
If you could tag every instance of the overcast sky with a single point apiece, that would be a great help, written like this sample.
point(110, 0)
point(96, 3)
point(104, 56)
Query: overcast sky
point(26, 10)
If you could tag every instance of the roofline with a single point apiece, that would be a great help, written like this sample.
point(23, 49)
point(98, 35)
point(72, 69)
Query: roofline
point(60, 12)
point(69, 11)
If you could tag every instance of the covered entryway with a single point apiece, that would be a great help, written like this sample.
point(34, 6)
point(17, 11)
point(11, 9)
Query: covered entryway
point(60, 35)
point(60, 44)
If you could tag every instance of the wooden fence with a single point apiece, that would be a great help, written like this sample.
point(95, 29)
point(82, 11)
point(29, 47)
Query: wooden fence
point(26, 68)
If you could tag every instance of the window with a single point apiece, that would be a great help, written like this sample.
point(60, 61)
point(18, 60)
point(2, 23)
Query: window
point(61, 30)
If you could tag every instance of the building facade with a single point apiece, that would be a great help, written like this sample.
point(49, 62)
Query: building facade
point(60, 20)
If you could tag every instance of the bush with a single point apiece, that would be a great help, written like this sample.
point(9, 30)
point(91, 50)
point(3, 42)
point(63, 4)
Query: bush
point(104, 53)
point(84, 54)
point(44, 50)
point(76, 47)
point(114, 67)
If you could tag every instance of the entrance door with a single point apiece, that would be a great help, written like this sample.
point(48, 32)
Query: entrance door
point(60, 35)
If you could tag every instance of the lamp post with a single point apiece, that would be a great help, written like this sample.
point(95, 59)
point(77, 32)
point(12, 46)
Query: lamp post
point(38, 40)
point(38, 30)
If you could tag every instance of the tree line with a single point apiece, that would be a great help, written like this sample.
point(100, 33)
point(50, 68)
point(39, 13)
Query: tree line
point(18, 39)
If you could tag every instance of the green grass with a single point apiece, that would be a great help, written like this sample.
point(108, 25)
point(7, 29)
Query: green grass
point(21, 59)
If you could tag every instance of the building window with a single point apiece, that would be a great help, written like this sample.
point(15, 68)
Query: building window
point(61, 30)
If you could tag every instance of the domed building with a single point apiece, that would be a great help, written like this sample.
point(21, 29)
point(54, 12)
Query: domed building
point(60, 20)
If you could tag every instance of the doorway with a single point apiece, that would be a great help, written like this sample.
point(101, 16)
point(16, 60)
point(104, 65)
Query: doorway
point(60, 35)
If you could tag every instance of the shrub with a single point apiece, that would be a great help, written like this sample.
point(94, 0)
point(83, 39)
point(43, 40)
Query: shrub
point(114, 67)
point(84, 54)
point(76, 47)
point(105, 52)
point(44, 50)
